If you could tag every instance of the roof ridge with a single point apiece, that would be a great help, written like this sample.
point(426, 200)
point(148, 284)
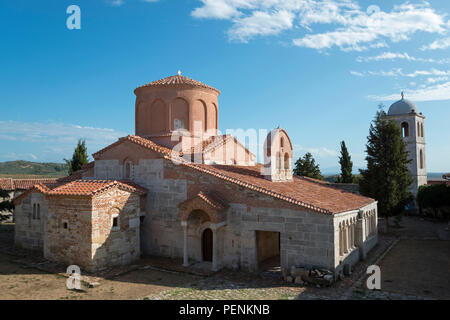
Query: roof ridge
point(177, 80)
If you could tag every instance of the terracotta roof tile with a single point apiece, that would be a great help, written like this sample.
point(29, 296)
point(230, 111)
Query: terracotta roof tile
point(6, 184)
point(309, 193)
point(177, 80)
point(92, 187)
point(86, 188)
point(143, 142)
point(22, 184)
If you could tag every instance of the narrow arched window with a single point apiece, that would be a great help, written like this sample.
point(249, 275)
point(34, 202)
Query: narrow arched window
point(278, 160)
point(128, 169)
point(34, 211)
point(418, 130)
point(405, 129)
point(38, 213)
point(286, 161)
point(282, 142)
point(421, 129)
point(421, 158)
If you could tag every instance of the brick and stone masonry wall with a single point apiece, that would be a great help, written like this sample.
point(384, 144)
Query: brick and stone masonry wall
point(306, 237)
point(89, 240)
point(29, 232)
point(71, 245)
point(115, 246)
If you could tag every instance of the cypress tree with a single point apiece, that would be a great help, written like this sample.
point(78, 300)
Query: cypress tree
point(79, 157)
point(307, 167)
point(387, 178)
point(346, 165)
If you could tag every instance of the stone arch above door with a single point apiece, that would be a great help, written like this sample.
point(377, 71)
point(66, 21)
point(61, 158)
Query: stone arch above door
point(209, 203)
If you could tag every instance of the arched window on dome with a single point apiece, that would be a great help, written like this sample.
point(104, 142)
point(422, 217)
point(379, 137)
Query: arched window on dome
point(281, 142)
point(405, 129)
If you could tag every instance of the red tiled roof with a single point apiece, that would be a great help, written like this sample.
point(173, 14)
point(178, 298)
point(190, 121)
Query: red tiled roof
point(92, 187)
point(22, 184)
point(87, 188)
point(432, 182)
point(143, 142)
point(178, 80)
point(305, 192)
point(213, 200)
point(6, 184)
point(309, 193)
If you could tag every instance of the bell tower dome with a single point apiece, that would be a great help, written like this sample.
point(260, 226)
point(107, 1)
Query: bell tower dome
point(412, 123)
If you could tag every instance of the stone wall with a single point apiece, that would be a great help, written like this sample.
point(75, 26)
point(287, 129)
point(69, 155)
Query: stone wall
point(307, 238)
point(29, 230)
point(111, 245)
point(68, 231)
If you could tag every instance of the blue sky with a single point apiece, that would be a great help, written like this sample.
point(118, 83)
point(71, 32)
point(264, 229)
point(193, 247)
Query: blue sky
point(319, 69)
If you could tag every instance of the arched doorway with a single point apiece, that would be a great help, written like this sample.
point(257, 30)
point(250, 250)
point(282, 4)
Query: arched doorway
point(207, 245)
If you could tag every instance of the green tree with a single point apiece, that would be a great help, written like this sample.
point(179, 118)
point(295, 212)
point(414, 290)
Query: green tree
point(5, 204)
point(436, 197)
point(307, 167)
point(387, 178)
point(346, 165)
point(79, 158)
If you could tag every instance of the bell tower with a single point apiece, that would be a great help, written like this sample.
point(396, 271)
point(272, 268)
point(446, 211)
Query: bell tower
point(412, 123)
point(278, 156)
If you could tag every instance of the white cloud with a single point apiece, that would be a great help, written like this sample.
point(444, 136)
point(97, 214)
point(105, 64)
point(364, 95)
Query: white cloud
point(438, 44)
point(261, 23)
point(352, 28)
point(438, 79)
point(321, 152)
point(399, 55)
point(398, 72)
point(116, 3)
point(361, 28)
point(426, 93)
point(38, 132)
point(356, 73)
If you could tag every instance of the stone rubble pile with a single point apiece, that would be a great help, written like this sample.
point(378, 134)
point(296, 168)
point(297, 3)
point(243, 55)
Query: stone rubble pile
point(301, 276)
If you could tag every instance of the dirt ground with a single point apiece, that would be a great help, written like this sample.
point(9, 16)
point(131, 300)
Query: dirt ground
point(417, 267)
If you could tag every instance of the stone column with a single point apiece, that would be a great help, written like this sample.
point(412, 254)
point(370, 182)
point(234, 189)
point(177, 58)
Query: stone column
point(345, 239)
point(185, 244)
point(215, 251)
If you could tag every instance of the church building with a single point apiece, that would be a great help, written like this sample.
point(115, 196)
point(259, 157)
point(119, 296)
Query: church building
point(179, 189)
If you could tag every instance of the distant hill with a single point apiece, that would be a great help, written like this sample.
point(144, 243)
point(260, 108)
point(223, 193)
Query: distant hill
point(27, 168)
